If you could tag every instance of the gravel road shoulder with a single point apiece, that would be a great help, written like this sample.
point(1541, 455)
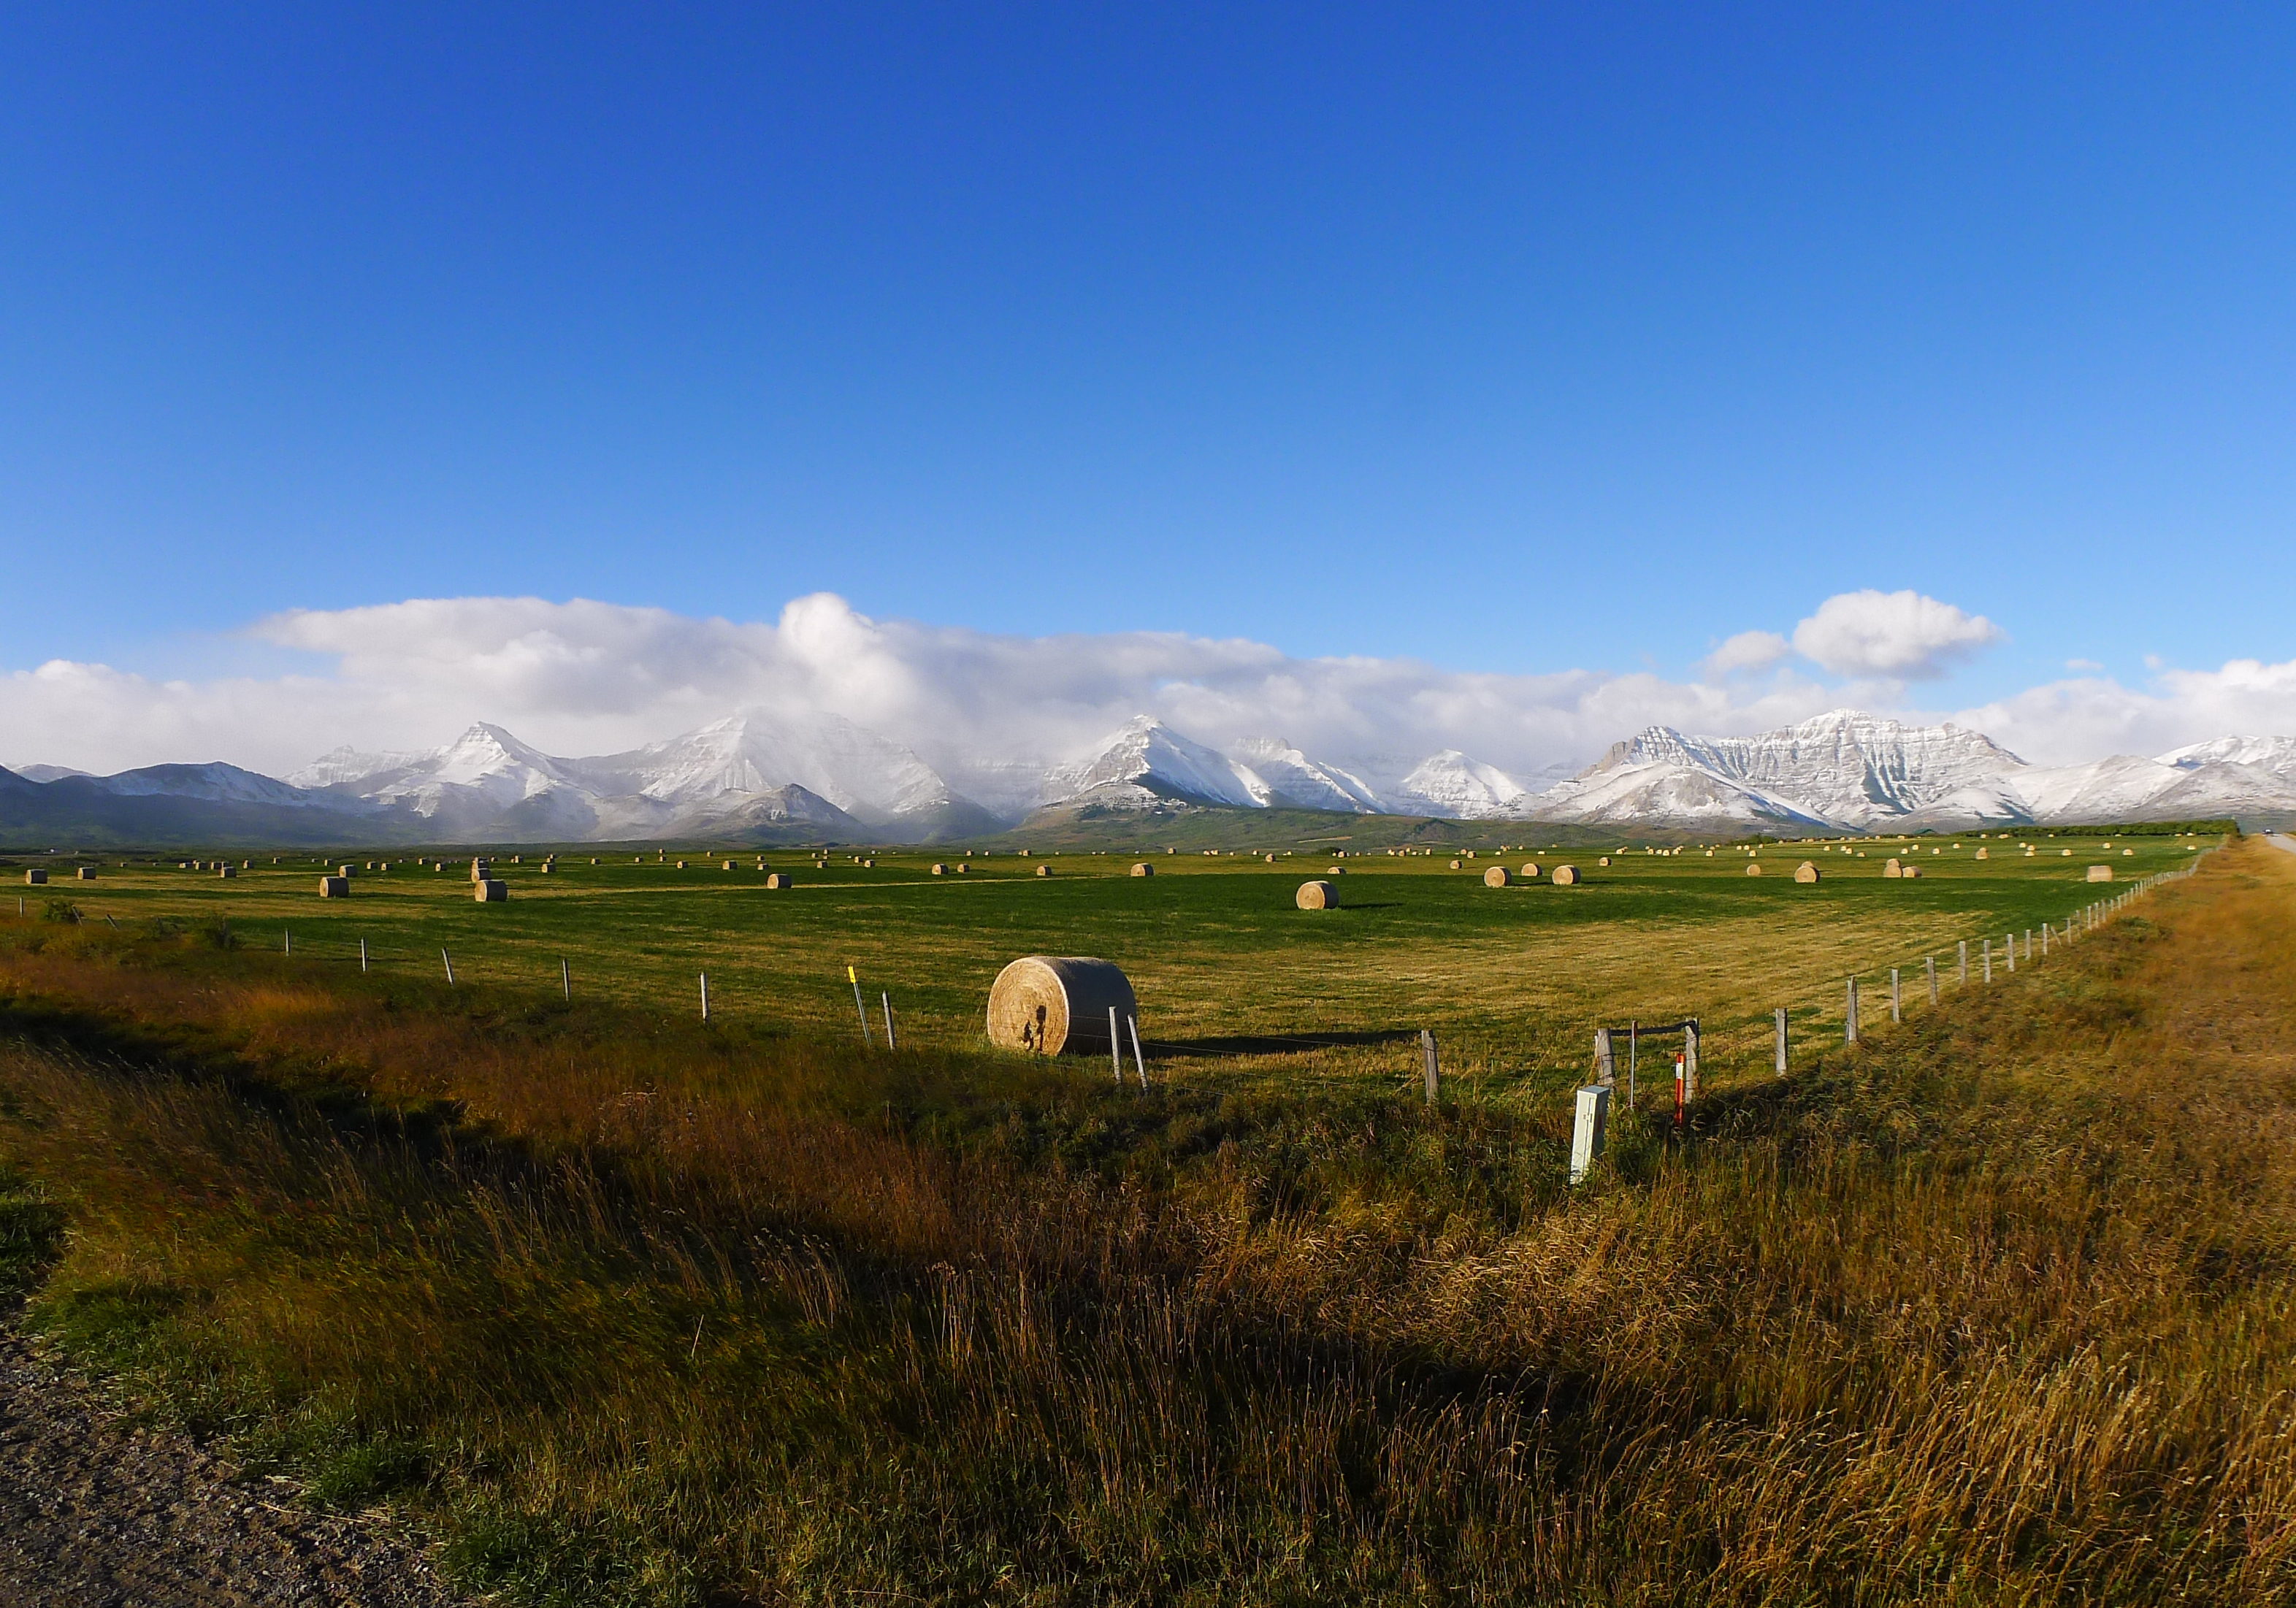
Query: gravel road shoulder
point(97, 1512)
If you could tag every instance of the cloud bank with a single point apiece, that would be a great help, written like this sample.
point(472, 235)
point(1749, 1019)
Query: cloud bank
point(583, 678)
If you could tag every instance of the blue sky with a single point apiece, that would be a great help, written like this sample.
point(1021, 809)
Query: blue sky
point(1516, 340)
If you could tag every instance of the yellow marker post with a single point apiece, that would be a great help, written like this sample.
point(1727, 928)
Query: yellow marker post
point(860, 1010)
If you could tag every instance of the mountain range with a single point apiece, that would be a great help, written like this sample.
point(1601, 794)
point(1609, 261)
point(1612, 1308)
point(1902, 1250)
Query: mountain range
point(761, 777)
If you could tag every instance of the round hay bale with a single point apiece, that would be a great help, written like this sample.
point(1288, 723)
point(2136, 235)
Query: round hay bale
point(1911, 871)
point(1893, 868)
point(1806, 873)
point(939, 869)
point(1044, 870)
point(1754, 868)
point(2126, 852)
point(779, 880)
point(1498, 877)
point(1455, 865)
point(86, 874)
point(1985, 854)
point(1604, 860)
point(1335, 870)
point(226, 871)
point(1565, 877)
point(334, 887)
point(490, 891)
point(1530, 871)
point(1143, 868)
point(1047, 1004)
point(36, 878)
point(1317, 896)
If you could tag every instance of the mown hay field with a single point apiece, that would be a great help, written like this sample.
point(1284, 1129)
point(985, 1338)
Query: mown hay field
point(1513, 980)
point(1995, 1307)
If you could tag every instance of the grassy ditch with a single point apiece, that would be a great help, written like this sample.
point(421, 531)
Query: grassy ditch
point(1995, 1308)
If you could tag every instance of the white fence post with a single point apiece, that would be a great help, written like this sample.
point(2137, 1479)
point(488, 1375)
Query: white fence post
point(1588, 1130)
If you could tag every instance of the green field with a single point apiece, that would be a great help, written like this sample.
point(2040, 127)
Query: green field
point(1513, 980)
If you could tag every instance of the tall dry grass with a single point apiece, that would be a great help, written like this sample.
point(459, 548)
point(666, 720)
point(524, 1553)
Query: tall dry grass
point(1994, 1308)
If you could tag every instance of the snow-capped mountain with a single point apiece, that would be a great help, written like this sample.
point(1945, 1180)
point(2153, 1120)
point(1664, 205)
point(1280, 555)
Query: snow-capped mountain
point(216, 783)
point(1845, 768)
point(1144, 762)
point(1851, 772)
point(1289, 777)
point(485, 782)
point(709, 772)
point(2276, 755)
point(1453, 786)
point(761, 776)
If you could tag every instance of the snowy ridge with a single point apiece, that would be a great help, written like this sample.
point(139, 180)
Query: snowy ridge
point(775, 776)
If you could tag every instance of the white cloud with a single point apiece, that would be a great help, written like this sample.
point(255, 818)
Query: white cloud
point(1747, 651)
point(2072, 721)
point(586, 677)
point(1899, 635)
point(2083, 666)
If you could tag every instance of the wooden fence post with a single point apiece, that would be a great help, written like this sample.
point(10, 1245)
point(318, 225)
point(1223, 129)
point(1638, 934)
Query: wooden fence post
point(1779, 1016)
point(1606, 1068)
point(1897, 1011)
point(1988, 960)
point(1849, 1015)
point(1964, 962)
point(2009, 941)
point(1434, 1065)
point(1690, 1058)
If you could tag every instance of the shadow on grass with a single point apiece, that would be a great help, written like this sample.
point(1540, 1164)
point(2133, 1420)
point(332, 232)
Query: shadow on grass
point(1266, 1044)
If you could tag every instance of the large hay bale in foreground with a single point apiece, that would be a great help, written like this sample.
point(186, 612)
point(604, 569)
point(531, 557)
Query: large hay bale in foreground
point(1317, 896)
point(491, 892)
point(1806, 873)
point(334, 887)
point(1565, 877)
point(1498, 877)
point(1143, 868)
point(1047, 1004)
point(2100, 874)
